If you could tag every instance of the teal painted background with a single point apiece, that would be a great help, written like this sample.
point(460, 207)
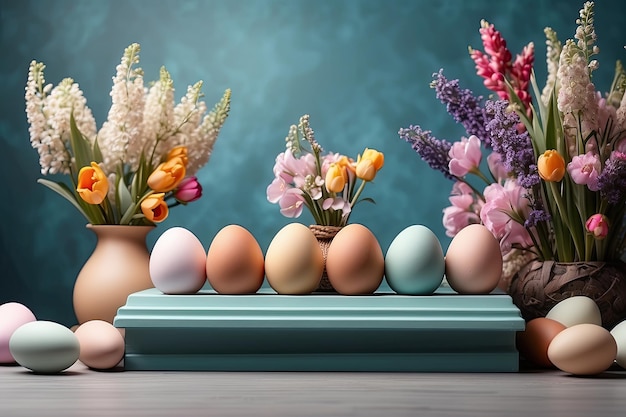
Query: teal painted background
point(360, 68)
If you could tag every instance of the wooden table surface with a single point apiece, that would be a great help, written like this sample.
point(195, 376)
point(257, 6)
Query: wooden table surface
point(529, 393)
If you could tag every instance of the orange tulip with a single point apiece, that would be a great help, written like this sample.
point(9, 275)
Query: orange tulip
point(167, 175)
point(551, 166)
point(178, 152)
point(336, 178)
point(93, 184)
point(368, 164)
point(155, 208)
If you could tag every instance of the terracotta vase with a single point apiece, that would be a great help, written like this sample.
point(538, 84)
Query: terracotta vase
point(539, 286)
point(118, 267)
point(325, 235)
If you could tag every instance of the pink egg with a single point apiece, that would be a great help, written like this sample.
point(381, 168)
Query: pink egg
point(12, 316)
point(101, 344)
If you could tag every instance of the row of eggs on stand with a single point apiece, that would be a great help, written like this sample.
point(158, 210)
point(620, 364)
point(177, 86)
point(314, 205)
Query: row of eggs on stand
point(294, 262)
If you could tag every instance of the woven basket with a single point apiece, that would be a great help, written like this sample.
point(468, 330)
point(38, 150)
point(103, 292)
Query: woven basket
point(539, 286)
point(324, 235)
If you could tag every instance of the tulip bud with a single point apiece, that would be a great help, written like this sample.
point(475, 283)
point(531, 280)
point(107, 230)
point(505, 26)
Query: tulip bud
point(155, 208)
point(551, 166)
point(336, 178)
point(167, 175)
point(598, 226)
point(188, 190)
point(369, 164)
point(93, 184)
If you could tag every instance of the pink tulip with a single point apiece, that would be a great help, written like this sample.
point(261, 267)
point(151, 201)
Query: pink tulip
point(598, 226)
point(188, 190)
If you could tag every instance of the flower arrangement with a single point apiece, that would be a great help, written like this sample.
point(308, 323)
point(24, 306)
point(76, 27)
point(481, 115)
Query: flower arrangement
point(326, 184)
point(555, 183)
point(144, 158)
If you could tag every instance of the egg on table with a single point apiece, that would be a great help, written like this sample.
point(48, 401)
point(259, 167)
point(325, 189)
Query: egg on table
point(576, 310)
point(101, 344)
point(294, 261)
point(12, 316)
point(235, 262)
point(534, 340)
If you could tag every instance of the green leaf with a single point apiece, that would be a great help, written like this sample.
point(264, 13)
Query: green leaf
point(81, 147)
point(90, 212)
point(124, 198)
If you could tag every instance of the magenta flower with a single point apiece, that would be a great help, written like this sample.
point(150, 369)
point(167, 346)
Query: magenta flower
point(598, 226)
point(584, 170)
point(465, 156)
point(188, 190)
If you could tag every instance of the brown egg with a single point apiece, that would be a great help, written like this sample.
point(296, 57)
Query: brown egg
point(234, 262)
point(355, 263)
point(101, 344)
point(473, 261)
point(533, 342)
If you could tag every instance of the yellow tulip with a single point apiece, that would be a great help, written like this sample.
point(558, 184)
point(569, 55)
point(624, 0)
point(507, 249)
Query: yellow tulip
point(155, 208)
point(93, 184)
point(167, 175)
point(368, 164)
point(178, 152)
point(551, 166)
point(336, 178)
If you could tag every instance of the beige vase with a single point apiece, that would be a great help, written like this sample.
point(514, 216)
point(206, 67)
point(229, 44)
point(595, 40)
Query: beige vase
point(118, 267)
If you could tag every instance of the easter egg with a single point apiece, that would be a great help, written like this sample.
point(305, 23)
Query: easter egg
point(235, 262)
point(533, 342)
point(619, 334)
point(12, 316)
point(294, 261)
point(177, 262)
point(576, 310)
point(44, 347)
point(414, 262)
point(101, 344)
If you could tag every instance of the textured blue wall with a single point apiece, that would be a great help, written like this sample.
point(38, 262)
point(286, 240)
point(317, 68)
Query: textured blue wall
point(360, 68)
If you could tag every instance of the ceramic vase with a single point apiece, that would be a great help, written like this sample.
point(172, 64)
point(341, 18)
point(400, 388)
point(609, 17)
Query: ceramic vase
point(540, 285)
point(324, 236)
point(118, 267)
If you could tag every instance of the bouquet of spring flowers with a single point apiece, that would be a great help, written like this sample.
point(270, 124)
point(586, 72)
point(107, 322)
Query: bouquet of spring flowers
point(143, 159)
point(326, 184)
point(555, 183)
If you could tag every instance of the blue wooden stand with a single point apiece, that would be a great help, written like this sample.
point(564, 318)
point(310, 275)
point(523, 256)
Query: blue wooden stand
point(386, 332)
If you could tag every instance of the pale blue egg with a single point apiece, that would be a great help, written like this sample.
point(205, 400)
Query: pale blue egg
point(414, 262)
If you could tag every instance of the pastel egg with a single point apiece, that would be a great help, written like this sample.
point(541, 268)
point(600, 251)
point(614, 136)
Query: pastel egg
point(294, 261)
point(12, 316)
point(576, 310)
point(414, 262)
point(44, 347)
point(101, 344)
point(533, 342)
point(473, 261)
point(355, 263)
point(235, 262)
point(619, 334)
point(177, 262)
point(583, 349)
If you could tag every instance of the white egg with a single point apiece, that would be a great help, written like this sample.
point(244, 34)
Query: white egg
point(12, 316)
point(576, 310)
point(619, 334)
point(44, 347)
point(178, 262)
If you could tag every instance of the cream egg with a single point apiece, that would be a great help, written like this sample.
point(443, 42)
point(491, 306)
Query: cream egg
point(178, 262)
point(294, 262)
point(619, 334)
point(576, 310)
point(235, 262)
point(12, 316)
point(583, 349)
point(101, 344)
point(473, 261)
point(355, 263)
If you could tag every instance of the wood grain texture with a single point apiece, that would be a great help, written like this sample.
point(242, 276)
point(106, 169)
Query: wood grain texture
point(84, 392)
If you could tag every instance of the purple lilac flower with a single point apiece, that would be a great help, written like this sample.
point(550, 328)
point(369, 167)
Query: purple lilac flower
point(463, 106)
point(516, 148)
point(433, 151)
point(535, 217)
point(612, 180)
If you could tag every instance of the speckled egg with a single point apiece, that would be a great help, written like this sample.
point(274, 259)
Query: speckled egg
point(235, 262)
point(12, 316)
point(294, 261)
point(414, 262)
point(44, 347)
point(177, 262)
point(355, 263)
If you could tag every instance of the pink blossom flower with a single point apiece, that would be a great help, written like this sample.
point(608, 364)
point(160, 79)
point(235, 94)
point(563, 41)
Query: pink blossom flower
point(598, 226)
point(188, 190)
point(465, 156)
point(584, 170)
point(337, 203)
point(292, 203)
point(502, 204)
point(496, 167)
point(276, 190)
point(464, 209)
